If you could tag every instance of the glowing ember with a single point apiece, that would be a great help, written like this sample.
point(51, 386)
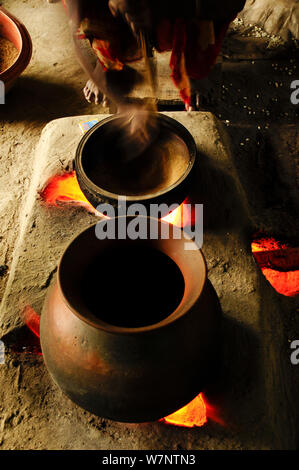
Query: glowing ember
point(192, 415)
point(267, 244)
point(65, 189)
point(32, 320)
point(25, 342)
point(180, 217)
point(279, 263)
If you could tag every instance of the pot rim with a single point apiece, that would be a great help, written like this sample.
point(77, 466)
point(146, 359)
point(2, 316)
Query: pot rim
point(170, 319)
point(25, 54)
point(166, 120)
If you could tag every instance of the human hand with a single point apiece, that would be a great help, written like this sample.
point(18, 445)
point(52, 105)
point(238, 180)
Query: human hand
point(136, 13)
point(140, 130)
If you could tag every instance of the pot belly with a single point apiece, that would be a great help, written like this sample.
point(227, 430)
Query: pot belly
point(135, 377)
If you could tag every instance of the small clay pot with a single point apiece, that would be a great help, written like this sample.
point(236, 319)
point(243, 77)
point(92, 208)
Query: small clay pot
point(13, 30)
point(131, 373)
point(101, 141)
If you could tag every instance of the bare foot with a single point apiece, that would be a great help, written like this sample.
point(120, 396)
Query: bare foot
point(92, 92)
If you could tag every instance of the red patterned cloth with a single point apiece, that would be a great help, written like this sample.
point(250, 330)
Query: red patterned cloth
point(188, 58)
point(181, 36)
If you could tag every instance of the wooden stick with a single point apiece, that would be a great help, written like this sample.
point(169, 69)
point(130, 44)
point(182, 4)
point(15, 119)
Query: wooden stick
point(149, 66)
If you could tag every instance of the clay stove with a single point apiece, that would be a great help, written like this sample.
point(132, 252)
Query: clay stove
point(252, 411)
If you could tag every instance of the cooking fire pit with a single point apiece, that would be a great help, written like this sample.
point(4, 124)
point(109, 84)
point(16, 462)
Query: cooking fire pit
point(251, 406)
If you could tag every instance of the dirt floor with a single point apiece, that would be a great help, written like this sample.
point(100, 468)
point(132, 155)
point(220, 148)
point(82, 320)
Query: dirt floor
point(50, 88)
point(254, 103)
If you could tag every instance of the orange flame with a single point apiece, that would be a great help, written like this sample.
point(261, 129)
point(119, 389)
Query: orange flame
point(279, 263)
point(65, 188)
point(267, 244)
point(182, 216)
point(192, 415)
point(32, 320)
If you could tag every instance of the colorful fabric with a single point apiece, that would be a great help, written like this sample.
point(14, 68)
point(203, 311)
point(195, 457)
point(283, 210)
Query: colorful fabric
point(195, 46)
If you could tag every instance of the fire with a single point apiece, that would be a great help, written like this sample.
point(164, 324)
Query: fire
point(192, 415)
point(279, 263)
point(65, 189)
point(182, 216)
point(31, 319)
point(24, 342)
point(267, 244)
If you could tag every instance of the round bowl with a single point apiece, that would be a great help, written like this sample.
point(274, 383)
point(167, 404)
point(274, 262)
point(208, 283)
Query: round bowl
point(140, 370)
point(13, 30)
point(93, 150)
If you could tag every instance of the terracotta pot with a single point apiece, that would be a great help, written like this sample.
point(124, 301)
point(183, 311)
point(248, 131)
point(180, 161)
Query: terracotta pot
point(140, 373)
point(92, 147)
point(12, 29)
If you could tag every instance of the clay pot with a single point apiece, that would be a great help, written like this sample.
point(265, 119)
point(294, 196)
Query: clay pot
point(12, 29)
point(101, 141)
point(125, 367)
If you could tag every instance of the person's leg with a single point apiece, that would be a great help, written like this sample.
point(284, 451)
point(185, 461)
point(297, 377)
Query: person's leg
point(206, 92)
point(205, 67)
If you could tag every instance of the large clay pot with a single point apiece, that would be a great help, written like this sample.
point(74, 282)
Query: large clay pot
point(131, 373)
point(102, 140)
point(13, 30)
